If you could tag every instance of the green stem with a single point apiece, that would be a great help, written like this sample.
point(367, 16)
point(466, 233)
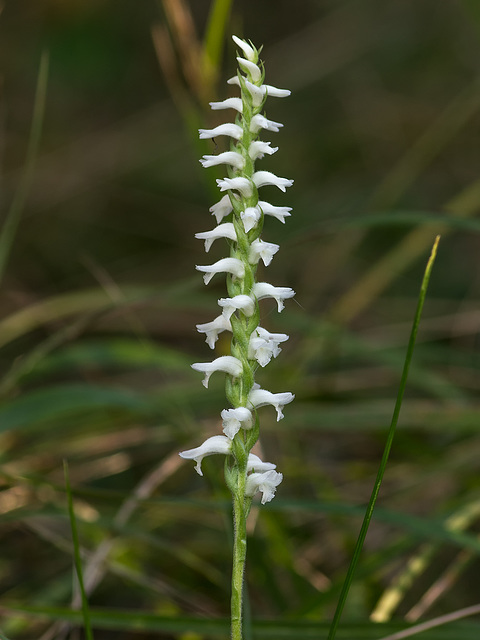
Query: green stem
point(239, 554)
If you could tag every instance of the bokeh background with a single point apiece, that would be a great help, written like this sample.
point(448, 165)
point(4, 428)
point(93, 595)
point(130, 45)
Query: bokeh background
point(102, 193)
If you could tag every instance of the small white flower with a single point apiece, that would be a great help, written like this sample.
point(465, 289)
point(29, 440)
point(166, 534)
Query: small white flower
point(225, 230)
point(264, 250)
point(261, 397)
point(230, 305)
point(235, 419)
point(233, 158)
point(221, 209)
point(280, 213)
point(263, 178)
point(265, 290)
point(213, 328)
point(227, 129)
point(256, 464)
point(250, 218)
point(243, 185)
point(215, 444)
point(250, 67)
point(225, 265)
point(260, 122)
point(256, 92)
point(258, 149)
point(272, 92)
point(265, 345)
point(266, 482)
point(229, 103)
point(248, 51)
point(227, 364)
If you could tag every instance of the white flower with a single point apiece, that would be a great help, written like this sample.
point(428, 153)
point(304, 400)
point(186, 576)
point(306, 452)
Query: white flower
point(260, 122)
point(250, 67)
point(264, 250)
point(280, 213)
point(229, 103)
point(215, 444)
point(256, 92)
point(248, 51)
point(227, 129)
point(241, 184)
point(233, 158)
point(250, 217)
point(265, 290)
point(265, 345)
point(213, 328)
point(255, 464)
point(222, 208)
point(266, 482)
point(230, 305)
point(228, 364)
point(262, 178)
point(225, 265)
point(273, 92)
point(225, 230)
point(258, 149)
point(260, 397)
point(235, 419)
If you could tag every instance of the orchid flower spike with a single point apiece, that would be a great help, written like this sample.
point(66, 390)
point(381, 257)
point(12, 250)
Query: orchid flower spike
point(240, 218)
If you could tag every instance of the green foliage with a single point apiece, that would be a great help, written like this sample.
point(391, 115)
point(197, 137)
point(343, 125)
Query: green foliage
point(99, 305)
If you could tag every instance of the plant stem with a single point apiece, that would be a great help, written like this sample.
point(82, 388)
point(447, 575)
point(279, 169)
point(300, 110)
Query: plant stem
point(239, 554)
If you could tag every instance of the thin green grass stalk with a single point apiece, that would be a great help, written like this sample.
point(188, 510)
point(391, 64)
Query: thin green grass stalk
point(388, 446)
point(78, 559)
point(215, 34)
point(12, 220)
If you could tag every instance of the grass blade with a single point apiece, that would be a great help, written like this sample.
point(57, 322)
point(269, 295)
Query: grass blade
point(78, 560)
point(388, 446)
point(7, 234)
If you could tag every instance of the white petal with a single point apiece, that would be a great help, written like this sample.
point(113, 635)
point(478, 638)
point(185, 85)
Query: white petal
point(227, 129)
point(264, 346)
point(280, 213)
point(213, 328)
point(263, 178)
point(256, 464)
point(227, 157)
point(235, 419)
point(221, 208)
point(274, 92)
point(250, 218)
point(225, 265)
point(258, 149)
point(248, 51)
point(229, 103)
point(266, 482)
point(265, 290)
point(256, 92)
point(215, 444)
point(225, 230)
point(243, 185)
point(264, 250)
point(250, 67)
point(261, 397)
point(227, 364)
point(260, 122)
point(242, 302)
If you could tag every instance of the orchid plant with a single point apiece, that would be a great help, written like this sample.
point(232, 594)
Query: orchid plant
point(240, 217)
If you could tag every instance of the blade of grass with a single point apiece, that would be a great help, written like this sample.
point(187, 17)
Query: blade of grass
point(12, 220)
point(215, 37)
point(388, 446)
point(78, 560)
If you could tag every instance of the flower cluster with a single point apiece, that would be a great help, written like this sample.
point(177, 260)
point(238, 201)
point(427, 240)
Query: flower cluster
point(239, 216)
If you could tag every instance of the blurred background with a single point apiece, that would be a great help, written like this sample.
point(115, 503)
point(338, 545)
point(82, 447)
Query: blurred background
point(101, 196)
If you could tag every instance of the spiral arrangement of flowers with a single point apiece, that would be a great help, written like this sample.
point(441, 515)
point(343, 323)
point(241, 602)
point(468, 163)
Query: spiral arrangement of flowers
point(240, 216)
